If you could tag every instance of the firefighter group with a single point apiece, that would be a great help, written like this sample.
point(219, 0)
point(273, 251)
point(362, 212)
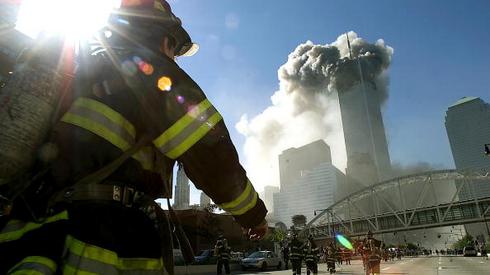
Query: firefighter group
point(371, 251)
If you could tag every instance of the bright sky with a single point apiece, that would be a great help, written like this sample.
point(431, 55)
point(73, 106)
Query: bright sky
point(441, 54)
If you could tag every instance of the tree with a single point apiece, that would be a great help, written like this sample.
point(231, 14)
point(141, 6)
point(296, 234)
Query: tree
point(276, 235)
point(461, 243)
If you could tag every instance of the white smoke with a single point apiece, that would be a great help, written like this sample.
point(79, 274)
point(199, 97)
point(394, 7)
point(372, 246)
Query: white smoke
point(305, 108)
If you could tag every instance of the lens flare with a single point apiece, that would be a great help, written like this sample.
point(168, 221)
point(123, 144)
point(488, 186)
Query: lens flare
point(164, 83)
point(146, 68)
point(180, 99)
point(344, 241)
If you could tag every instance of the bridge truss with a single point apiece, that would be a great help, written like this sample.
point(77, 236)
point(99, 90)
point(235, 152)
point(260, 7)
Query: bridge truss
point(419, 201)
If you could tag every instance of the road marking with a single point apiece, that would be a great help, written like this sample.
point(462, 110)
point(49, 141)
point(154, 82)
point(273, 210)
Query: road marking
point(482, 262)
point(386, 268)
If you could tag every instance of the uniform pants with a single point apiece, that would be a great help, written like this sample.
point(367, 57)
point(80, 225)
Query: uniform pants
point(286, 262)
point(102, 239)
point(296, 266)
point(220, 264)
point(311, 267)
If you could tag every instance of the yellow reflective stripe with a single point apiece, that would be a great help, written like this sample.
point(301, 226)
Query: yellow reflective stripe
point(195, 137)
point(181, 123)
point(247, 207)
point(246, 201)
point(29, 226)
point(34, 265)
point(105, 256)
point(97, 129)
point(103, 109)
point(69, 270)
point(239, 199)
point(144, 156)
point(27, 272)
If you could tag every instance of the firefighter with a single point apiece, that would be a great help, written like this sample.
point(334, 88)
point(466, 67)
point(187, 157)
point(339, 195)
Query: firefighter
point(331, 257)
point(296, 252)
point(222, 251)
point(311, 254)
point(132, 95)
point(285, 255)
point(371, 254)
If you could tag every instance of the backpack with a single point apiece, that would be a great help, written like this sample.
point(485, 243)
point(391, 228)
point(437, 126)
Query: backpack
point(31, 100)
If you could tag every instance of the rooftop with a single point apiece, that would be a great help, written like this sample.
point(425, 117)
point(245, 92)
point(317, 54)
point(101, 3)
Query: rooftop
point(463, 100)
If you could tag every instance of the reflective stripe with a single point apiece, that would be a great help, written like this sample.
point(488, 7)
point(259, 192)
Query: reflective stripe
point(188, 130)
point(34, 265)
point(89, 258)
point(70, 270)
point(246, 201)
point(105, 110)
point(108, 124)
point(15, 229)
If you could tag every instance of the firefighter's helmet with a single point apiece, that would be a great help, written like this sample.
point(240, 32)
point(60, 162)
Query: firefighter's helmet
point(147, 21)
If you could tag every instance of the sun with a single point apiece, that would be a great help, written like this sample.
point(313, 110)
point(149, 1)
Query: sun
point(74, 19)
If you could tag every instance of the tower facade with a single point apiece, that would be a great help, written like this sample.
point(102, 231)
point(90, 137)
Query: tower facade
point(309, 181)
point(204, 200)
point(182, 190)
point(468, 130)
point(368, 160)
point(313, 190)
point(295, 160)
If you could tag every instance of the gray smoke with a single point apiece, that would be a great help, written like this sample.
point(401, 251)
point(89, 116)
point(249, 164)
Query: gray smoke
point(399, 170)
point(305, 108)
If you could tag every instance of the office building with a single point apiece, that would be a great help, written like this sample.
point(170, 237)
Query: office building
point(182, 190)
point(295, 160)
point(204, 200)
point(468, 130)
point(314, 190)
point(368, 160)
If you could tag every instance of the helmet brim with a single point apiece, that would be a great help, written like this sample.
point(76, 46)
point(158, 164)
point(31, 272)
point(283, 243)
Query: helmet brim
point(188, 50)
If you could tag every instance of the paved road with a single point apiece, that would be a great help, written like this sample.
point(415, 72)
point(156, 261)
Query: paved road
point(432, 265)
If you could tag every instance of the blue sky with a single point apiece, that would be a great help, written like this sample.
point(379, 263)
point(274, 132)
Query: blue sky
point(441, 53)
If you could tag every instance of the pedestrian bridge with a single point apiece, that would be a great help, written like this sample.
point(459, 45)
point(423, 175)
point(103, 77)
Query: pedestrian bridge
point(419, 201)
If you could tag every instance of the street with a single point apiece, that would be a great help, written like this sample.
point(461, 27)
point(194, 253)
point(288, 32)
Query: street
point(419, 266)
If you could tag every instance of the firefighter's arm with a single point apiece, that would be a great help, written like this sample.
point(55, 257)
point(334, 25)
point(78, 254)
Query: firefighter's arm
point(194, 133)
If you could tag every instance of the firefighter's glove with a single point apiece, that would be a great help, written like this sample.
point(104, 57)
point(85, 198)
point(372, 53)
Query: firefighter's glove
point(257, 232)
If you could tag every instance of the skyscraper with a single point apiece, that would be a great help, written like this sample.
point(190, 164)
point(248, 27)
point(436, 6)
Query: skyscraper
point(295, 160)
point(182, 190)
point(314, 190)
point(368, 160)
point(310, 181)
point(468, 130)
point(204, 200)
point(268, 197)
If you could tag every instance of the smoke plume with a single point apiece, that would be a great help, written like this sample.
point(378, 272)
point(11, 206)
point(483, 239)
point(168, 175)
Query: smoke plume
point(306, 108)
